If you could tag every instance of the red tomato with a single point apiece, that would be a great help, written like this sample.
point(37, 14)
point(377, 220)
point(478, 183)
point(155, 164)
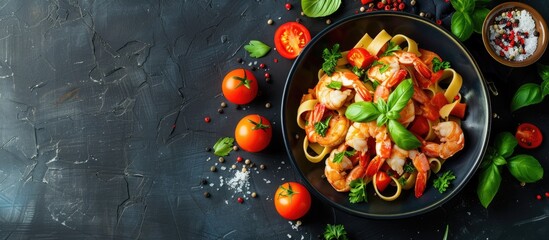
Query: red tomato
point(292, 200)
point(364, 2)
point(253, 133)
point(360, 58)
point(290, 38)
point(528, 136)
point(382, 180)
point(459, 110)
point(439, 100)
point(239, 86)
point(420, 126)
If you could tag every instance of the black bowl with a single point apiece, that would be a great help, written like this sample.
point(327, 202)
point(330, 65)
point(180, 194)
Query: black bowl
point(476, 125)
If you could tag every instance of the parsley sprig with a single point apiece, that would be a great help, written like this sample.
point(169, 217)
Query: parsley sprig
point(257, 48)
point(338, 157)
point(335, 232)
point(439, 65)
point(391, 48)
point(358, 191)
point(322, 126)
point(443, 182)
point(330, 59)
point(223, 146)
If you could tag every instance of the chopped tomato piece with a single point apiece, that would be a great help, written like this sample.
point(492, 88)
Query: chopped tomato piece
point(459, 110)
point(382, 180)
point(360, 57)
point(528, 136)
point(439, 100)
point(420, 126)
point(290, 38)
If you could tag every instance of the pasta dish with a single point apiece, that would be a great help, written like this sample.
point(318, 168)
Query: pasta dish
point(386, 112)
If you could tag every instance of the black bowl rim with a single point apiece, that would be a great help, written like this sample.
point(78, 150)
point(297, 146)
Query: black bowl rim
point(447, 196)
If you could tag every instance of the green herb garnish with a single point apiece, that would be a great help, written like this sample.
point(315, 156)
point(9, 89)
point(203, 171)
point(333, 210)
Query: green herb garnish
point(358, 191)
point(322, 126)
point(330, 59)
point(443, 182)
point(257, 48)
point(223, 146)
point(335, 232)
point(319, 8)
point(439, 65)
point(335, 85)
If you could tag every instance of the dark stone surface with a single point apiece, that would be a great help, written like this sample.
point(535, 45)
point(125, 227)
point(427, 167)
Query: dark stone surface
point(102, 129)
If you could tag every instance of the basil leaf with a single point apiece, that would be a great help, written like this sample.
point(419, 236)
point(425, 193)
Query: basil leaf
point(525, 168)
point(527, 94)
point(544, 88)
point(543, 71)
point(257, 48)
point(382, 119)
point(393, 115)
point(499, 161)
point(488, 185)
point(489, 157)
point(223, 146)
point(479, 14)
point(461, 25)
point(400, 96)
point(319, 8)
point(382, 106)
point(505, 144)
point(465, 6)
point(362, 112)
point(335, 85)
point(401, 136)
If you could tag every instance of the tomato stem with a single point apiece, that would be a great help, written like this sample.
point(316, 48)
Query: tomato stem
point(288, 192)
point(243, 81)
point(259, 125)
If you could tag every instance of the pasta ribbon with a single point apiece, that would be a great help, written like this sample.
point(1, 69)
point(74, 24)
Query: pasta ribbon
point(321, 151)
point(304, 107)
point(411, 44)
point(378, 42)
point(392, 197)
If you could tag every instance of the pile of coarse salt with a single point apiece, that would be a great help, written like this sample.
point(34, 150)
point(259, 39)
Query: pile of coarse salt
point(513, 35)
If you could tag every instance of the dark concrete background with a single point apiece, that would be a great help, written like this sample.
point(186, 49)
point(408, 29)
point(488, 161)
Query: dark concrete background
point(102, 131)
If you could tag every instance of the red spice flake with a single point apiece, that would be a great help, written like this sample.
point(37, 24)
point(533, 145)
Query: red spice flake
point(288, 6)
point(387, 7)
point(275, 60)
point(538, 197)
point(401, 6)
point(240, 200)
point(262, 65)
point(547, 194)
point(439, 22)
point(447, 1)
point(267, 75)
point(207, 119)
point(239, 159)
point(388, 1)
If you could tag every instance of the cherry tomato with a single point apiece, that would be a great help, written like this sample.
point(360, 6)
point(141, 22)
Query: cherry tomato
point(528, 136)
point(292, 200)
point(382, 180)
point(360, 58)
point(290, 38)
point(253, 133)
point(420, 126)
point(364, 2)
point(239, 86)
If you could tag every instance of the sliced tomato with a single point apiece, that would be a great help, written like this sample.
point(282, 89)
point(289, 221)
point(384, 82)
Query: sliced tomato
point(459, 110)
point(290, 38)
point(439, 100)
point(360, 57)
point(420, 126)
point(528, 136)
point(382, 180)
point(364, 2)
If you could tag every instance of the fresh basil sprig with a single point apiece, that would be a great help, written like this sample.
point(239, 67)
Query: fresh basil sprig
point(532, 93)
point(468, 17)
point(523, 167)
point(387, 113)
point(319, 8)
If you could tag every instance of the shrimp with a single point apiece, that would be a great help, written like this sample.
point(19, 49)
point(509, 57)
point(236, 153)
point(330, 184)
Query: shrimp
point(451, 140)
point(411, 59)
point(426, 108)
point(337, 126)
point(397, 159)
point(383, 143)
point(336, 172)
point(387, 72)
point(335, 97)
point(422, 165)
